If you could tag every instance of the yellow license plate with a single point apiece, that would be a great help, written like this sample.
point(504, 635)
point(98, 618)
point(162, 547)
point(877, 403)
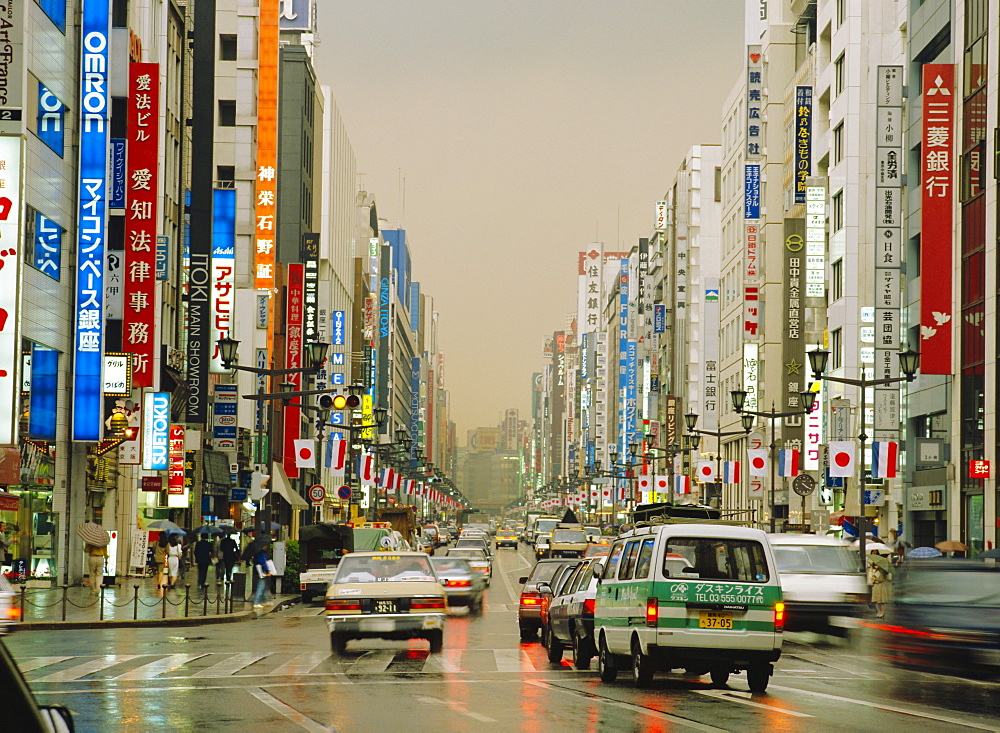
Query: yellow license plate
point(715, 620)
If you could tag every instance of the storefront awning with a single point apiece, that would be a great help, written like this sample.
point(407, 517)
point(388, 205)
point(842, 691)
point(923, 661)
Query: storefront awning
point(281, 486)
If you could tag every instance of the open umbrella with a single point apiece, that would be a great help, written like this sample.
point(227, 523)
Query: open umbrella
point(210, 531)
point(951, 546)
point(93, 534)
point(876, 559)
point(919, 552)
point(254, 547)
point(164, 525)
point(251, 530)
point(994, 554)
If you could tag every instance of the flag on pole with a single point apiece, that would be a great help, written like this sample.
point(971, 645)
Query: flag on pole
point(366, 469)
point(706, 472)
point(661, 485)
point(788, 462)
point(841, 458)
point(387, 480)
point(645, 482)
point(336, 456)
point(682, 485)
point(731, 472)
point(758, 461)
point(398, 481)
point(305, 453)
point(885, 458)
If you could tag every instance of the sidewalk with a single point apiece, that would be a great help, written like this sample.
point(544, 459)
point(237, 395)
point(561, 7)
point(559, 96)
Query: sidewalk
point(138, 602)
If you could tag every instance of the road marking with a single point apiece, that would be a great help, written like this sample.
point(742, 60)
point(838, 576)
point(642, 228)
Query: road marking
point(446, 661)
point(374, 662)
point(160, 666)
point(82, 670)
point(891, 708)
point(651, 712)
point(456, 707)
point(33, 663)
point(302, 664)
point(230, 666)
point(291, 713)
point(513, 660)
point(741, 697)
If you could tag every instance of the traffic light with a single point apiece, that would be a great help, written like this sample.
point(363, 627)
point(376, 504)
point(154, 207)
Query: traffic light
point(338, 401)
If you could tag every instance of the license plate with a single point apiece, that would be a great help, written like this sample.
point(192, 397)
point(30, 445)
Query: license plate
point(715, 620)
point(384, 607)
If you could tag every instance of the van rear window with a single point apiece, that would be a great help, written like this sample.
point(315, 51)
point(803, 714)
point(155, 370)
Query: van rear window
point(715, 558)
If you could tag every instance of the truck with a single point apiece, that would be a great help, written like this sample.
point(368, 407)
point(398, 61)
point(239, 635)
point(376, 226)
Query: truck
point(529, 523)
point(401, 519)
point(568, 540)
point(543, 524)
point(320, 548)
point(472, 517)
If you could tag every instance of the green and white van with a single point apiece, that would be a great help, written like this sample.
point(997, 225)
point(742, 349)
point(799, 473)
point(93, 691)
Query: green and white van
point(702, 597)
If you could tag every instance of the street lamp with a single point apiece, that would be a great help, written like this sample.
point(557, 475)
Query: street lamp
point(739, 397)
point(691, 419)
point(909, 364)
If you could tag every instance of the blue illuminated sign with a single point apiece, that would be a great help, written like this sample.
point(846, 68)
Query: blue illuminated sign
point(56, 10)
point(623, 434)
point(803, 141)
point(659, 318)
point(44, 392)
point(338, 329)
point(156, 431)
point(751, 193)
point(51, 113)
point(116, 198)
point(162, 257)
point(88, 339)
point(48, 246)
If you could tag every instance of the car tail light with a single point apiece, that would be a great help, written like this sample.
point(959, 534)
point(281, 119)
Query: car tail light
point(652, 612)
point(343, 604)
point(13, 613)
point(458, 583)
point(302, 586)
point(427, 604)
point(531, 599)
point(779, 616)
point(589, 604)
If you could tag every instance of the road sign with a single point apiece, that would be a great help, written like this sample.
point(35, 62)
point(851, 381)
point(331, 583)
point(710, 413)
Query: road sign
point(874, 497)
point(803, 484)
point(344, 492)
point(317, 493)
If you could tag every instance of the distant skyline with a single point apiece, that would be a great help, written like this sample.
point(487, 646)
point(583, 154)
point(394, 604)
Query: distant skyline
point(525, 132)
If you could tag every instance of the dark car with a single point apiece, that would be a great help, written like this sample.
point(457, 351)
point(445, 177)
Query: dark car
point(945, 617)
point(21, 712)
point(529, 610)
point(570, 616)
point(547, 591)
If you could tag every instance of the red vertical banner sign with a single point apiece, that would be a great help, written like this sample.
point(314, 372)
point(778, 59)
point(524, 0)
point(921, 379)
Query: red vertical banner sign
point(142, 176)
point(937, 176)
point(266, 189)
point(293, 360)
point(175, 457)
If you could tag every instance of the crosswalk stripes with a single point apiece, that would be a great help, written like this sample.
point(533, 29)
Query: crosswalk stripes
point(358, 662)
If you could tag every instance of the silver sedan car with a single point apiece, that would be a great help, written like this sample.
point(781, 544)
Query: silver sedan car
point(463, 586)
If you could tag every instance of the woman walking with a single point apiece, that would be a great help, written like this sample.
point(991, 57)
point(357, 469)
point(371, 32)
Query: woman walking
point(173, 561)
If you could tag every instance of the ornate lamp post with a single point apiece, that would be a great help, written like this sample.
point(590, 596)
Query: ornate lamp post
point(691, 419)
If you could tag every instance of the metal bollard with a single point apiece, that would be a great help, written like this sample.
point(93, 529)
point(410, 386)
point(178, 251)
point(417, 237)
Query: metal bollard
point(163, 601)
point(64, 602)
point(218, 596)
point(135, 603)
point(187, 598)
point(24, 606)
point(204, 601)
point(101, 600)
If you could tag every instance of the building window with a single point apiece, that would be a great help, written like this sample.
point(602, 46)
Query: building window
point(718, 183)
point(227, 113)
point(838, 76)
point(837, 211)
point(838, 143)
point(837, 280)
point(56, 10)
point(836, 349)
point(225, 176)
point(227, 47)
point(841, 12)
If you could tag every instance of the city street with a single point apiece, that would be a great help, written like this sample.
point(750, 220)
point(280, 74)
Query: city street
point(278, 674)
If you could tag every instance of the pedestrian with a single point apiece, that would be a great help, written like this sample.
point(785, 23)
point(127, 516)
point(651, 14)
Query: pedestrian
point(262, 571)
point(173, 560)
point(879, 579)
point(203, 554)
point(160, 561)
point(230, 551)
point(95, 566)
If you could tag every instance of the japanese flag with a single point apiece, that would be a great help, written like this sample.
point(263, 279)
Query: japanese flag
point(661, 484)
point(706, 472)
point(305, 453)
point(606, 494)
point(645, 482)
point(841, 458)
point(336, 453)
point(758, 461)
point(366, 469)
point(595, 494)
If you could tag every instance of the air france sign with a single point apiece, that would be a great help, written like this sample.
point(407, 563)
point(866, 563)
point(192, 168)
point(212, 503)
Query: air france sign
point(92, 223)
point(156, 431)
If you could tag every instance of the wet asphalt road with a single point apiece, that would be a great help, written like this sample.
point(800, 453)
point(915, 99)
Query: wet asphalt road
point(277, 674)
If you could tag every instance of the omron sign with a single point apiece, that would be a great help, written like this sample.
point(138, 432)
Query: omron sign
point(156, 431)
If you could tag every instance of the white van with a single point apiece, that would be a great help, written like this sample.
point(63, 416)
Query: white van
point(702, 597)
point(821, 582)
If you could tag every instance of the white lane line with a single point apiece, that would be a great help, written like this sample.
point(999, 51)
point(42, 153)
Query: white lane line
point(302, 664)
point(34, 663)
point(374, 662)
point(649, 712)
point(513, 660)
point(456, 707)
point(741, 697)
point(160, 666)
point(891, 709)
point(446, 661)
point(82, 670)
point(230, 665)
point(291, 713)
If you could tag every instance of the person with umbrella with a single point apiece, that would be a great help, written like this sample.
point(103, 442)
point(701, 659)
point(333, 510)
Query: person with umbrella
point(96, 540)
point(261, 570)
point(204, 552)
point(230, 550)
point(173, 559)
point(879, 573)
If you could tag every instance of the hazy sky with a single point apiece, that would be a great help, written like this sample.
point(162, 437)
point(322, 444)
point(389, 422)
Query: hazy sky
point(524, 131)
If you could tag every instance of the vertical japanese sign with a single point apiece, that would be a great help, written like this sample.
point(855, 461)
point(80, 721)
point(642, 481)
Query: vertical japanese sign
point(175, 454)
point(10, 231)
point(223, 270)
point(889, 128)
point(815, 241)
point(293, 360)
point(794, 368)
point(309, 256)
point(710, 352)
point(662, 216)
point(88, 340)
point(623, 355)
point(754, 102)
point(139, 327)
point(224, 428)
point(936, 196)
point(589, 295)
point(265, 212)
point(803, 141)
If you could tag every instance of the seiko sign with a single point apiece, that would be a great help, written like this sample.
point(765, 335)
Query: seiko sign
point(156, 431)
